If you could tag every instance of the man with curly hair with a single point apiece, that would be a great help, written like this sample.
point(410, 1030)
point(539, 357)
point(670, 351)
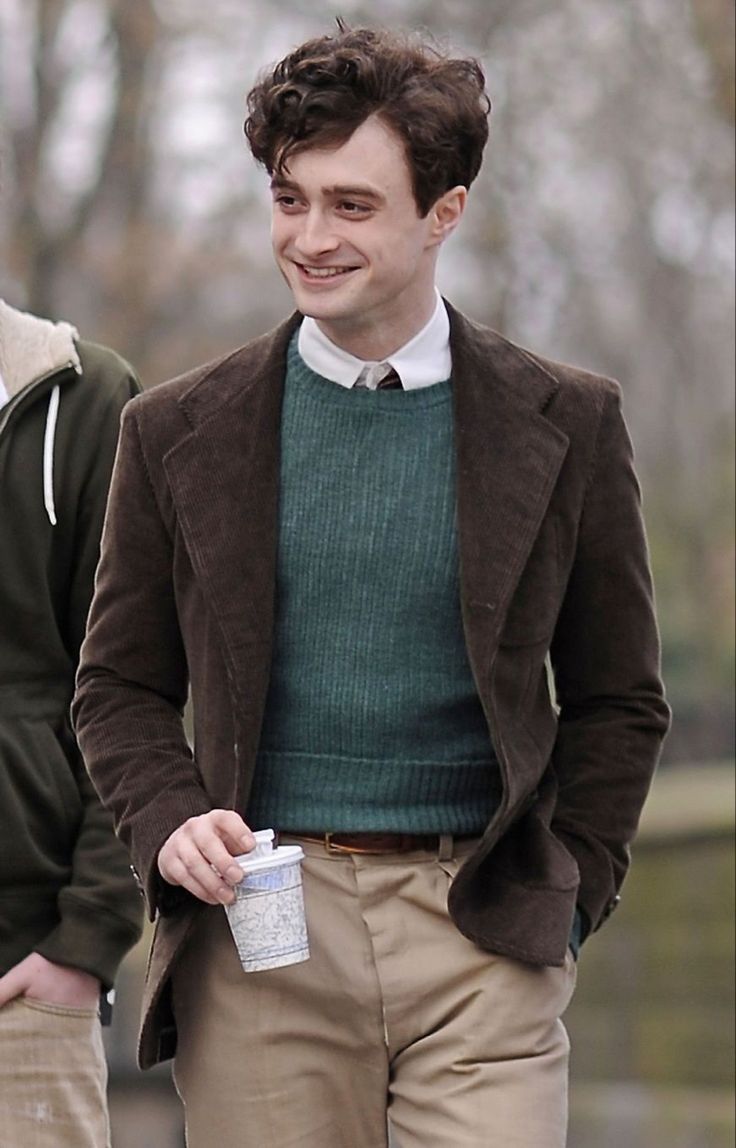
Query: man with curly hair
point(367, 541)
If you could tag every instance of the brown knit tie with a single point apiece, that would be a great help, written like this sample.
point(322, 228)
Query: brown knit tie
point(379, 377)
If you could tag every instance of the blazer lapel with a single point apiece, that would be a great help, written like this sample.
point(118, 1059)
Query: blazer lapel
point(508, 459)
point(224, 482)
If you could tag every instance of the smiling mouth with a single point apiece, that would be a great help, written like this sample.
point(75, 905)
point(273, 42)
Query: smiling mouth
point(324, 272)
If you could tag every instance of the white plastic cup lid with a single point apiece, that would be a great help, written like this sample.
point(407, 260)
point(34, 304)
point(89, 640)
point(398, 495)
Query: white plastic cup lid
point(254, 862)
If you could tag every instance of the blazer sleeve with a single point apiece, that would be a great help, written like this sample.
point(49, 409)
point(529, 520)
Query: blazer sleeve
point(606, 662)
point(131, 690)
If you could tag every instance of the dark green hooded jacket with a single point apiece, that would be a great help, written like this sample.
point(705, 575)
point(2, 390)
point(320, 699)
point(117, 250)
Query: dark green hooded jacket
point(66, 890)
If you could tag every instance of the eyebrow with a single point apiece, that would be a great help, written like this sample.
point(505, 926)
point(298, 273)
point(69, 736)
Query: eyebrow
point(336, 191)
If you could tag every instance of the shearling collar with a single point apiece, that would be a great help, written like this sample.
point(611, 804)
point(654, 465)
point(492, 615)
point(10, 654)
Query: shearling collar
point(33, 348)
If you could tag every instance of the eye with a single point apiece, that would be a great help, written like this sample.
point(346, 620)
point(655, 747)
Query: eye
point(350, 207)
point(286, 202)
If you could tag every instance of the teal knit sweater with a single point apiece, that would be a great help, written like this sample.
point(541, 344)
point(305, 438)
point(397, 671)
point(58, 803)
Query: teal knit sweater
point(372, 719)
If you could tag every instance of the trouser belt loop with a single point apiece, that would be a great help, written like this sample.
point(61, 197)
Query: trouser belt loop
point(445, 849)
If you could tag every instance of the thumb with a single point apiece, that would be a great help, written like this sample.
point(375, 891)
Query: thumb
point(13, 984)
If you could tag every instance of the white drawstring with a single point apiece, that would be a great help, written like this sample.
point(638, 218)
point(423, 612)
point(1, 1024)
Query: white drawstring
point(48, 455)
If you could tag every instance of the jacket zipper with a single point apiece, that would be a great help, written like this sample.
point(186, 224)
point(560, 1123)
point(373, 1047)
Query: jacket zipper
point(29, 392)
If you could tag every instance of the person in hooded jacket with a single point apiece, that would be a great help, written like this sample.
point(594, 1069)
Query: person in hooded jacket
point(69, 908)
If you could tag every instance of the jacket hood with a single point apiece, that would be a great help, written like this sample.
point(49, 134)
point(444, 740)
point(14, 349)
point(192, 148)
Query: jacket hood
point(31, 348)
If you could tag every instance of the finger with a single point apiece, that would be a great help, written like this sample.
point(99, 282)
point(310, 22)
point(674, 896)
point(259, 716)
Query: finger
point(182, 863)
point(209, 862)
point(196, 857)
point(232, 830)
point(211, 890)
point(221, 895)
point(220, 836)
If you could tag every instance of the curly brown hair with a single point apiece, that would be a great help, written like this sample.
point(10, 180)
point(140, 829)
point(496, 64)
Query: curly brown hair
point(322, 91)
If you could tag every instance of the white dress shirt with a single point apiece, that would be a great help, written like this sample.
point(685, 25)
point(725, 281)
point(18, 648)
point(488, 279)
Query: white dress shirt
point(421, 362)
point(4, 396)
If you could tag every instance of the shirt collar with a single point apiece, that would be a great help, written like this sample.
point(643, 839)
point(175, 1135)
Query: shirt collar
point(421, 362)
point(3, 393)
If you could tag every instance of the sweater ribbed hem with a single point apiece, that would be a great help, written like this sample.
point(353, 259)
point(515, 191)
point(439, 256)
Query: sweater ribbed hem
point(321, 793)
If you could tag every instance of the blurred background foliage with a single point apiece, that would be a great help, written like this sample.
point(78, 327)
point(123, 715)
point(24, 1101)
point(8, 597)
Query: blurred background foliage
point(600, 230)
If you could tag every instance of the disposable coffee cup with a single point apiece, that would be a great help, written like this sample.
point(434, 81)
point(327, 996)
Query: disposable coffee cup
point(267, 917)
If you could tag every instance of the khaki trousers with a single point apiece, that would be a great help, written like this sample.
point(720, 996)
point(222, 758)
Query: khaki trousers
point(53, 1077)
point(395, 1013)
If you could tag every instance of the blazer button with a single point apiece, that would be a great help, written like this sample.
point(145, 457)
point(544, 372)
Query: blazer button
point(611, 905)
point(138, 880)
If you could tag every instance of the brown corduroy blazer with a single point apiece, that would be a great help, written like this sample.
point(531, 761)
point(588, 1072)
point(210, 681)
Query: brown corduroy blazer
point(553, 573)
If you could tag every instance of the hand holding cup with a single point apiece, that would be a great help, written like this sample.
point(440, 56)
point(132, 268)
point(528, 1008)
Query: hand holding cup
point(199, 855)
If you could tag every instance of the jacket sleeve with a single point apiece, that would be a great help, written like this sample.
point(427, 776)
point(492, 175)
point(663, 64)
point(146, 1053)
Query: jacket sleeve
point(100, 911)
point(605, 657)
point(111, 384)
point(132, 683)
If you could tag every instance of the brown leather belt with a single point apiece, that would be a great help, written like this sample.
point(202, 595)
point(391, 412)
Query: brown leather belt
point(369, 842)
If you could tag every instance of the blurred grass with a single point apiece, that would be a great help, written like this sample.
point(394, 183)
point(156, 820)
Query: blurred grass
point(632, 1116)
point(690, 800)
point(652, 1022)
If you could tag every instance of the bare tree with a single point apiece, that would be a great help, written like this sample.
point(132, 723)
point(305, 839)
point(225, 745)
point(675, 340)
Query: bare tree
point(599, 231)
point(50, 229)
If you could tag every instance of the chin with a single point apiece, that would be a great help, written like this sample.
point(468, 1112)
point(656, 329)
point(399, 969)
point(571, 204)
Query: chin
point(321, 308)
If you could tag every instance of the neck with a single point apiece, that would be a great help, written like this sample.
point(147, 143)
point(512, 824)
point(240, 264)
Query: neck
point(374, 341)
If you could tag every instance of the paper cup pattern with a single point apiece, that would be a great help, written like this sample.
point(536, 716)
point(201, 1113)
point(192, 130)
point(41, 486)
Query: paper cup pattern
point(267, 918)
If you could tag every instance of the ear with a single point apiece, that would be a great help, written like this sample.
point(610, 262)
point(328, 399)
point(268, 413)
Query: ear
point(447, 212)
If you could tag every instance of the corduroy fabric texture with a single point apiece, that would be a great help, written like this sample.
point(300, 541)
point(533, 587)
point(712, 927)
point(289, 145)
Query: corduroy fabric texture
point(552, 552)
point(373, 721)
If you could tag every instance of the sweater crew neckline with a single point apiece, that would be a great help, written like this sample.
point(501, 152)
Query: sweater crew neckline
point(395, 402)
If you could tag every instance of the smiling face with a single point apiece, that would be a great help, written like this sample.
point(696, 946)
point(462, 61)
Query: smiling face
point(349, 240)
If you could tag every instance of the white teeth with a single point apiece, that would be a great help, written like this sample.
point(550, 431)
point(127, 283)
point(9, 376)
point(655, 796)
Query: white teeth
point(325, 272)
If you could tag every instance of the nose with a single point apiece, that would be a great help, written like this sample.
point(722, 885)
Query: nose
point(314, 236)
